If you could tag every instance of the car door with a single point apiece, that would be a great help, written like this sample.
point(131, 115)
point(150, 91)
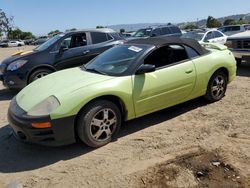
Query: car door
point(73, 51)
point(171, 83)
point(12, 44)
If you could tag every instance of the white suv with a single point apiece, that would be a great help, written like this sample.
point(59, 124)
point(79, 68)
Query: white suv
point(234, 29)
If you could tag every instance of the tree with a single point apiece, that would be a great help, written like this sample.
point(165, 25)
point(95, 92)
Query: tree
point(19, 34)
point(68, 30)
point(14, 34)
point(229, 22)
point(242, 21)
point(99, 27)
point(212, 22)
point(190, 26)
point(26, 35)
point(6, 23)
point(122, 30)
point(52, 33)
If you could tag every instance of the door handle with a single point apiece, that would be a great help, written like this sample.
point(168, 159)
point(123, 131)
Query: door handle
point(188, 71)
point(86, 52)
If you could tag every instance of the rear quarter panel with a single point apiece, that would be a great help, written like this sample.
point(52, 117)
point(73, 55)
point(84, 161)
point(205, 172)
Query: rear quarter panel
point(208, 64)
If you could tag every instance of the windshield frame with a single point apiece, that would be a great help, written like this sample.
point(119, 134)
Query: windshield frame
point(46, 45)
point(133, 64)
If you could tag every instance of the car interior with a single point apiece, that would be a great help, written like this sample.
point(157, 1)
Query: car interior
point(74, 41)
point(167, 55)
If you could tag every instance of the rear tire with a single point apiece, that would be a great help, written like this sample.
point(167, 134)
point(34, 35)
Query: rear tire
point(98, 123)
point(39, 73)
point(217, 86)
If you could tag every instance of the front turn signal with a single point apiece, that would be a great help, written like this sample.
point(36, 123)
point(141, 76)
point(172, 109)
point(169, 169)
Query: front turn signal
point(42, 125)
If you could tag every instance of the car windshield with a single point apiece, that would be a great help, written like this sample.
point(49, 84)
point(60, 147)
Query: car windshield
point(48, 43)
point(194, 35)
point(116, 61)
point(143, 33)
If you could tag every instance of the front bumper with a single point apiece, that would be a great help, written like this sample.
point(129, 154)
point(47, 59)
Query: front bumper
point(61, 132)
point(241, 54)
point(13, 80)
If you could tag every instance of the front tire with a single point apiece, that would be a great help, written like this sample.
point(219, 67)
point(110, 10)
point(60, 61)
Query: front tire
point(98, 123)
point(217, 86)
point(37, 74)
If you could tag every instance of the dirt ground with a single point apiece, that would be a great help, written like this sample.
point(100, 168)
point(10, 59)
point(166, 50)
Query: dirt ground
point(194, 144)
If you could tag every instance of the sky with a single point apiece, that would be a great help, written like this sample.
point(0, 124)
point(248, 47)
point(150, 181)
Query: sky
point(43, 16)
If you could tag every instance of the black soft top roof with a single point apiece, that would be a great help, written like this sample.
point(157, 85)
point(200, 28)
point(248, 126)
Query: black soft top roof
point(162, 41)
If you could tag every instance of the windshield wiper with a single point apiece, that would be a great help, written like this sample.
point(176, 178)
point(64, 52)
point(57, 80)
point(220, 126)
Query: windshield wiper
point(93, 70)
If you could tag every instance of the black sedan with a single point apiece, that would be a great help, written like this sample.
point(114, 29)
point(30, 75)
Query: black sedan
point(60, 52)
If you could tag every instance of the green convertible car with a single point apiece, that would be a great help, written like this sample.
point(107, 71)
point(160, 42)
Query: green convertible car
point(125, 82)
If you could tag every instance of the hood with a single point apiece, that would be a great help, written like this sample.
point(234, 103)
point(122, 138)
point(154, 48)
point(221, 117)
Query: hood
point(57, 84)
point(245, 34)
point(17, 55)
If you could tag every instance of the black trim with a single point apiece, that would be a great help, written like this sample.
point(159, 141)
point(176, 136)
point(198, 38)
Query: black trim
point(62, 131)
point(162, 41)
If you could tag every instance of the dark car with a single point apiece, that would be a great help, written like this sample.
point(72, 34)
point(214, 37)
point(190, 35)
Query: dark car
point(4, 43)
point(60, 52)
point(29, 41)
point(163, 30)
point(40, 40)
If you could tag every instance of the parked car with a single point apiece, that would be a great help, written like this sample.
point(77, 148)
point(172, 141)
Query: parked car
point(60, 52)
point(4, 43)
point(29, 41)
point(125, 82)
point(213, 36)
point(239, 44)
point(163, 30)
point(127, 34)
point(15, 43)
point(234, 29)
point(40, 40)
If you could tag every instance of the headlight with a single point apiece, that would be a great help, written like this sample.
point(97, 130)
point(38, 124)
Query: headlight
point(229, 44)
point(16, 65)
point(46, 107)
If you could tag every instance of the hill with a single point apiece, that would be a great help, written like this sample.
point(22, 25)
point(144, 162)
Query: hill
point(201, 23)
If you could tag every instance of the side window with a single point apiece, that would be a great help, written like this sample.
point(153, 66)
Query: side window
point(156, 32)
point(235, 28)
point(109, 37)
point(175, 30)
point(98, 37)
point(165, 31)
point(74, 41)
point(65, 43)
point(191, 52)
point(209, 36)
point(217, 34)
point(167, 55)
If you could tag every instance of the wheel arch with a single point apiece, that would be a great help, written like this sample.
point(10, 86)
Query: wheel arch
point(223, 69)
point(112, 98)
point(43, 66)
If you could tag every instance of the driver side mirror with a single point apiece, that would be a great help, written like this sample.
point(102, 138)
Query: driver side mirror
point(63, 48)
point(145, 68)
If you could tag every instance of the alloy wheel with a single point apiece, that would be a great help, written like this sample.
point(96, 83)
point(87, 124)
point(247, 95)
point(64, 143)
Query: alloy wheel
point(218, 86)
point(103, 124)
